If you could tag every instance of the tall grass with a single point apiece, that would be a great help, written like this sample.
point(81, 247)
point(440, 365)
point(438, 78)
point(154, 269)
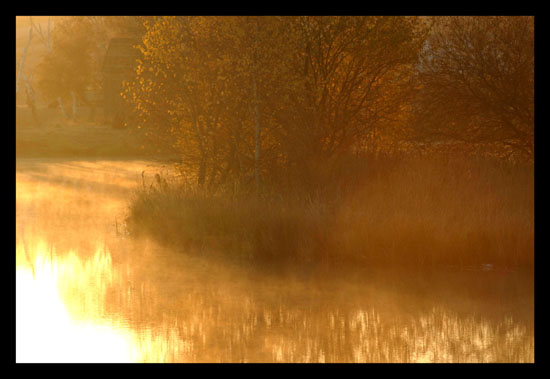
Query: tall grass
point(377, 212)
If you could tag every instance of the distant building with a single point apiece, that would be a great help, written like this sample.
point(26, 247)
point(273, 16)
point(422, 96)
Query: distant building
point(119, 65)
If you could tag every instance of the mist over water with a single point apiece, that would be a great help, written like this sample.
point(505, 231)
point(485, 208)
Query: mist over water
point(88, 292)
point(340, 189)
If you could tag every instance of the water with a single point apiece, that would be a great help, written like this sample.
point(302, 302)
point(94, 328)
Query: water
point(87, 292)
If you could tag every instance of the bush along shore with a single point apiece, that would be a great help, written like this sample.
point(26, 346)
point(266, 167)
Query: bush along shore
point(464, 213)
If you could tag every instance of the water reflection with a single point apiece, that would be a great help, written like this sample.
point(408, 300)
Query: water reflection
point(86, 293)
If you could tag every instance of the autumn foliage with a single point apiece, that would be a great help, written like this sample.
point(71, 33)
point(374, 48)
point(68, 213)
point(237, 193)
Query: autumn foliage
point(262, 96)
point(324, 120)
point(476, 78)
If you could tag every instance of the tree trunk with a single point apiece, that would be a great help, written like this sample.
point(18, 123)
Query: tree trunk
point(61, 107)
point(22, 61)
point(92, 112)
point(74, 104)
point(31, 98)
point(202, 172)
point(257, 137)
point(49, 41)
point(257, 124)
point(31, 103)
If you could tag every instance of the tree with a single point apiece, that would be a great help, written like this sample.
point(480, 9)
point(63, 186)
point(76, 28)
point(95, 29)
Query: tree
point(176, 89)
point(68, 68)
point(350, 78)
point(477, 84)
point(76, 55)
point(244, 97)
point(22, 61)
point(199, 85)
point(45, 36)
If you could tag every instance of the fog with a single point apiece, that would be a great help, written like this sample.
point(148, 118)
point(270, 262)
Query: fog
point(88, 294)
point(274, 189)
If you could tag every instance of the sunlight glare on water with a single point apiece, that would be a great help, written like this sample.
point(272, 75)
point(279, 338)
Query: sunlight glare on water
point(87, 292)
point(47, 331)
point(54, 336)
point(60, 299)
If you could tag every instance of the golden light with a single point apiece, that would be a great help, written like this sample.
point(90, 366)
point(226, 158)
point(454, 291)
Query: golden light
point(45, 331)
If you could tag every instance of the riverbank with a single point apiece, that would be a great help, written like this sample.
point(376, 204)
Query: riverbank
point(78, 140)
point(468, 214)
point(57, 136)
point(189, 308)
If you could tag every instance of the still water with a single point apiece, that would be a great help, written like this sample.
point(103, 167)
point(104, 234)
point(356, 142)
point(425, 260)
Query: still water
point(87, 292)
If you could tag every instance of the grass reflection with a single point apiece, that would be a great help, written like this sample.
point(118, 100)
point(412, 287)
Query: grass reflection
point(87, 294)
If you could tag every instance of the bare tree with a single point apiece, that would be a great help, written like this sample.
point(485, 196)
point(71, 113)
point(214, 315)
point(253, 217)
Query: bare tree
point(477, 83)
point(45, 36)
point(22, 61)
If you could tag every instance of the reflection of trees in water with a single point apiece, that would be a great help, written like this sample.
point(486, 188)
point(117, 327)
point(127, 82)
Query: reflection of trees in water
point(194, 314)
point(185, 309)
point(188, 311)
point(208, 314)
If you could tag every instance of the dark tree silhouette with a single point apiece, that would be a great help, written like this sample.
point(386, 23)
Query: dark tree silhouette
point(476, 81)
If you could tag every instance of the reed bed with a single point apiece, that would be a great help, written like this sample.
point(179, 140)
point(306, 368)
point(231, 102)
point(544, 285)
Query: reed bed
point(467, 213)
